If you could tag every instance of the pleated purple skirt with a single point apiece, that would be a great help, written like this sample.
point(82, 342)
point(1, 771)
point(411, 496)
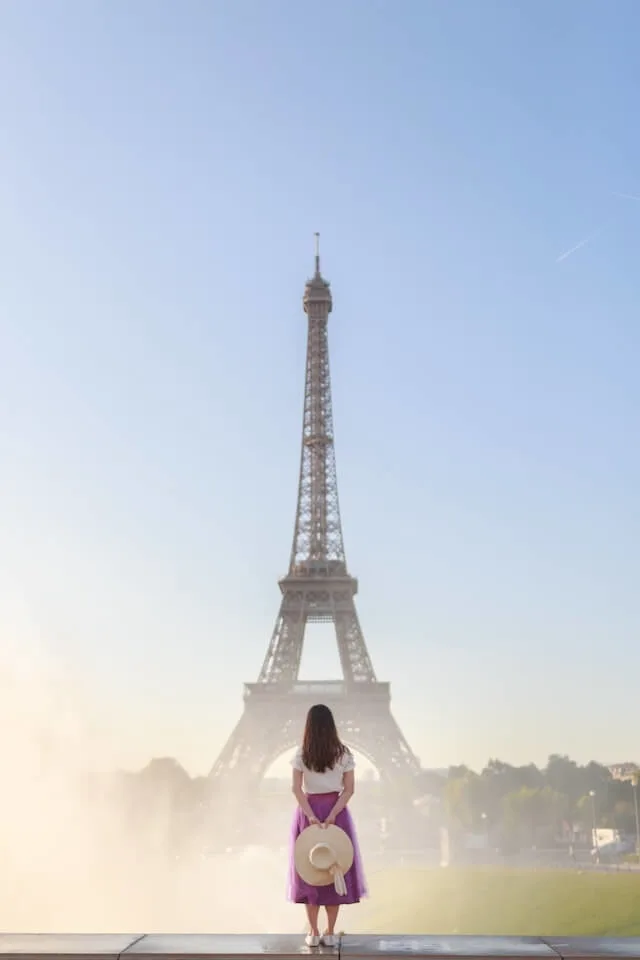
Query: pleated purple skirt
point(300, 892)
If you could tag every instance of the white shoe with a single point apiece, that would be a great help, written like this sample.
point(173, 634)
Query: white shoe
point(329, 939)
point(312, 941)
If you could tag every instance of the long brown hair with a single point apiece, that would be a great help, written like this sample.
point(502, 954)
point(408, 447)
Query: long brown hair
point(321, 745)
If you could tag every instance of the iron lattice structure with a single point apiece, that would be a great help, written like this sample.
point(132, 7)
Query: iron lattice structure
point(317, 587)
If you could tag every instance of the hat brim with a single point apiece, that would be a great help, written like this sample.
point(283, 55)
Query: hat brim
point(336, 838)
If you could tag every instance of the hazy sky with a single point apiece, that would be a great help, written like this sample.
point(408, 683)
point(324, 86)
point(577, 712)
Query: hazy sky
point(163, 167)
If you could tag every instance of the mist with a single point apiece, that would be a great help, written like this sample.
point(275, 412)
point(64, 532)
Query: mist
point(71, 859)
point(86, 851)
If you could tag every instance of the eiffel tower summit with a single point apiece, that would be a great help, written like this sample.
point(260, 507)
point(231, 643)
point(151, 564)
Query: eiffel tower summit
point(317, 588)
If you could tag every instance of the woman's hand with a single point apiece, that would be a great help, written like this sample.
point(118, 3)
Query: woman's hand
point(313, 821)
point(329, 822)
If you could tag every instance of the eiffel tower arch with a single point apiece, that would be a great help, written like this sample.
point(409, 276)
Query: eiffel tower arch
point(317, 588)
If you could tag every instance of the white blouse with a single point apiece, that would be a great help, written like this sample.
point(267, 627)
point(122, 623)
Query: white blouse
point(331, 781)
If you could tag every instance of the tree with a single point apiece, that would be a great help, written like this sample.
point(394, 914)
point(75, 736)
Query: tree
point(564, 775)
point(463, 797)
point(533, 809)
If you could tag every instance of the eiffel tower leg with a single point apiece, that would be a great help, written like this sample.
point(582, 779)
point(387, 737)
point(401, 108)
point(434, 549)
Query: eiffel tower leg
point(282, 662)
point(354, 656)
point(372, 730)
point(263, 733)
point(259, 737)
point(368, 725)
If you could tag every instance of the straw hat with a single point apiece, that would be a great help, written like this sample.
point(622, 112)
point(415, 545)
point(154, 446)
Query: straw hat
point(323, 855)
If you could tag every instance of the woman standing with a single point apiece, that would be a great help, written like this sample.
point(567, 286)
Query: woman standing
point(323, 784)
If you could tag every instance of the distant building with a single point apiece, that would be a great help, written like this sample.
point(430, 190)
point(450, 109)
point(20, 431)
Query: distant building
point(623, 771)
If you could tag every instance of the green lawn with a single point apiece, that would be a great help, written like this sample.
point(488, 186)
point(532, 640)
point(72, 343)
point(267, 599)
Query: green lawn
point(499, 901)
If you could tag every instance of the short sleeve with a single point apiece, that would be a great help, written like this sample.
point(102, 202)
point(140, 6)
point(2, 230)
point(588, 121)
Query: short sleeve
point(348, 762)
point(296, 760)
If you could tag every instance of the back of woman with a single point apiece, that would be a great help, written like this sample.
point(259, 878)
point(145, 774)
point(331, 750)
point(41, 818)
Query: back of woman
point(323, 784)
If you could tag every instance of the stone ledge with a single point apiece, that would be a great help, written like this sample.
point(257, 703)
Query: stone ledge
point(84, 946)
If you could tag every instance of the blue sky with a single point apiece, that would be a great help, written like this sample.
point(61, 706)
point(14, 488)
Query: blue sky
point(163, 168)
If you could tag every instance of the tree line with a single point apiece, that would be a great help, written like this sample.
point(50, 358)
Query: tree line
point(515, 806)
point(533, 805)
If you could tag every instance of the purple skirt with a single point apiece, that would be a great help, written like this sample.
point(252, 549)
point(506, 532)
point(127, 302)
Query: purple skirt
point(300, 892)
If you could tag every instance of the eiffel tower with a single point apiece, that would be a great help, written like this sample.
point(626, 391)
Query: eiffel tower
point(317, 588)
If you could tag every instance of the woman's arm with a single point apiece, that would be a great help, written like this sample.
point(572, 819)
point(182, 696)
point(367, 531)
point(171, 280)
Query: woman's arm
point(298, 792)
point(348, 789)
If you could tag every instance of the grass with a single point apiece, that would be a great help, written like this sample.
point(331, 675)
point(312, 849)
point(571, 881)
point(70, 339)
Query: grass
point(500, 902)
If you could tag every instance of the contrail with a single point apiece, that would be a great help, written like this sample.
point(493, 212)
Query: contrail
point(626, 196)
point(592, 236)
point(582, 243)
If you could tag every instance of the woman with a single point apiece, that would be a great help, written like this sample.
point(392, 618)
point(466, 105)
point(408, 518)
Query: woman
point(323, 784)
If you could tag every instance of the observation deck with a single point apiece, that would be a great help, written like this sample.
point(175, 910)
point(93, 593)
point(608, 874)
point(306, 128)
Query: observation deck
point(331, 692)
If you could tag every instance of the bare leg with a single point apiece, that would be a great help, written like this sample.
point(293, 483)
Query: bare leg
point(332, 916)
point(312, 916)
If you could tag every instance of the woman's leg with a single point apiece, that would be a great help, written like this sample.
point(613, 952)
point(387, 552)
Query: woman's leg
point(312, 916)
point(332, 916)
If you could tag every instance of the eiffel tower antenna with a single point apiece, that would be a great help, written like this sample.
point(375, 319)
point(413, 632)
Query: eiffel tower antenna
point(316, 588)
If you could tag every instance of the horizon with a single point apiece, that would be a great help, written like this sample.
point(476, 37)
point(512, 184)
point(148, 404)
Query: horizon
point(281, 769)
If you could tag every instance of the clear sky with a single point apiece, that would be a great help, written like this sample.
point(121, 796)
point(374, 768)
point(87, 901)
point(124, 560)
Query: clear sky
point(163, 167)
